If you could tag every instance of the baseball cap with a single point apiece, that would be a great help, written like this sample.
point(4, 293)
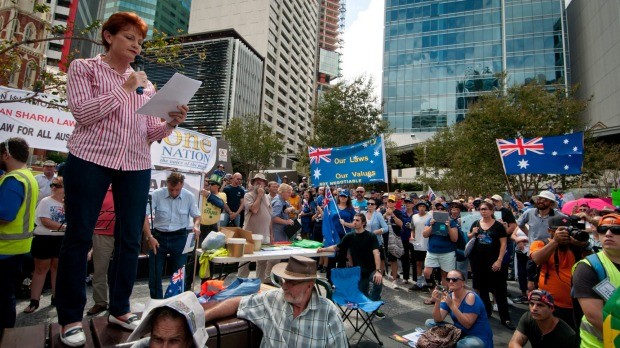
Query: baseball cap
point(497, 198)
point(542, 296)
point(392, 198)
point(386, 194)
point(49, 163)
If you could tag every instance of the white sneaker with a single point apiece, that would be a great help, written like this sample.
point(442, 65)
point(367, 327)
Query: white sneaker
point(399, 282)
point(389, 277)
point(495, 307)
point(510, 303)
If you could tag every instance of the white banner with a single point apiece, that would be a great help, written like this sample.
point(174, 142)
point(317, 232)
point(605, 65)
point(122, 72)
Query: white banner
point(42, 126)
point(185, 150)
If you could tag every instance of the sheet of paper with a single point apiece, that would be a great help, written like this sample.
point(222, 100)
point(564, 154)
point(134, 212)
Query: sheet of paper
point(179, 90)
point(189, 243)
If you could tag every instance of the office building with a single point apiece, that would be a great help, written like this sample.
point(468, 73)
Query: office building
point(440, 56)
point(285, 33)
point(331, 24)
point(595, 47)
point(172, 17)
point(231, 72)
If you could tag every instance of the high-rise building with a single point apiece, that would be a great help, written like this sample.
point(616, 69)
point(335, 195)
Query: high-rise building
point(83, 14)
point(595, 47)
point(172, 17)
point(285, 33)
point(331, 23)
point(439, 56)
point(18, 22)
point(231, 72)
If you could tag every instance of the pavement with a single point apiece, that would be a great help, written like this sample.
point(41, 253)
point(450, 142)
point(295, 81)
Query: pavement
point(404, 310)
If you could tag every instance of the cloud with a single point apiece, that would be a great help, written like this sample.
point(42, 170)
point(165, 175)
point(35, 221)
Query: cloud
point(363, 44)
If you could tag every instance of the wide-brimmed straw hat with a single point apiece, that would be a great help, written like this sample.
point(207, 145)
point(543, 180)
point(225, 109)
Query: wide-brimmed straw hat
point(259, 176)
point(297, 268)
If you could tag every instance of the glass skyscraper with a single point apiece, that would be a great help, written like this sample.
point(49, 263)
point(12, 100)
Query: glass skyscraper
point(439, 56)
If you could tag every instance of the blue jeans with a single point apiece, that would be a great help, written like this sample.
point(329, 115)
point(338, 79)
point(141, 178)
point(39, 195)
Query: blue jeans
point(86, 184)
point(226, 219)
point(10, 272)
point(172, 244)
point(373, 292)
point(464, 342)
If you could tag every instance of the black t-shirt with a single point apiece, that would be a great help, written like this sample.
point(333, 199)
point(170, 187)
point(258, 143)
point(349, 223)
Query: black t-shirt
point(486, 249)
point(507, 216)
point(562, 336)
point(585, 279)
point(361, 246)
point(234, 196)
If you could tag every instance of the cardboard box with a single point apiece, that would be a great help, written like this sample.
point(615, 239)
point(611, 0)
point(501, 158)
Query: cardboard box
point(237, 232)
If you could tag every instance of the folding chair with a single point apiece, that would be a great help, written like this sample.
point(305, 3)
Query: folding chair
point(347, 294)
point(321, 285)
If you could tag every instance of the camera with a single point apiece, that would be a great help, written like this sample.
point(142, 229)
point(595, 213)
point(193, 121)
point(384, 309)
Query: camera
point(409, 225)
point(574, 226)
point(441, 288)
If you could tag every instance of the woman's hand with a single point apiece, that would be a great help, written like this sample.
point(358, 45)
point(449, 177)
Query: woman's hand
point(178, 117)
point(497, 265)
point(436, 295)
point(135, 80)
point(445, 297)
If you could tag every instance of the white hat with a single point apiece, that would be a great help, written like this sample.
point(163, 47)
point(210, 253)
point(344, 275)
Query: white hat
point(547, 195)
point(185, 304)
point(497, 198)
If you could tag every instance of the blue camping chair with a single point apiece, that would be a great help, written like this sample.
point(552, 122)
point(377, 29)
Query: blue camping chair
point(351, 301)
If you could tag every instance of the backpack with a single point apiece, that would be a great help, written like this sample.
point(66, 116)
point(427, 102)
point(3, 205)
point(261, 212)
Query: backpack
point(439, 337)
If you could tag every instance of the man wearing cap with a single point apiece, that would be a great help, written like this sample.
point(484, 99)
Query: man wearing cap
point(173, 207)
point(18, 197)
point(556, 257)
point(220, 170)
point(178, 321)
point(303, 185)
point(589, 289)
point(45, 179)
point(535, 224)
point(360, 203)
point(408, 259)
point(294, 315)
point(258, 220)
point(540, 327)
point(213, 204)
point(234, 194)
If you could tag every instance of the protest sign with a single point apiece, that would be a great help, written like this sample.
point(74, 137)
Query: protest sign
point(185, 150)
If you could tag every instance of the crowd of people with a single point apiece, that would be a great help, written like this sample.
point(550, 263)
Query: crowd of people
point(566, 266)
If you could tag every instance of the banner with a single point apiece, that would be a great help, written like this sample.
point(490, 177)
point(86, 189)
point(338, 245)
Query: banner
point(358, 163)
point(41, 125)
point(186, 150)
point(561, 154)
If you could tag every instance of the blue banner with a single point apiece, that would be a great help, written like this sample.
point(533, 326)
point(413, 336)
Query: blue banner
point(561, 154)
point(358, 163)
point(330, 235)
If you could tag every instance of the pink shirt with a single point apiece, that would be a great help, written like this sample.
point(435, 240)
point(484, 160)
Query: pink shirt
point(108, 131)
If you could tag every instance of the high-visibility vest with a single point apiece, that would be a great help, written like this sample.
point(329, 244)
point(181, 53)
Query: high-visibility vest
point(16, 236)
point(590, 336)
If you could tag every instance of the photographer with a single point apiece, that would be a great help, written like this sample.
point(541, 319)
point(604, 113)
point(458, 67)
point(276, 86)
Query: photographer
point(555, 257)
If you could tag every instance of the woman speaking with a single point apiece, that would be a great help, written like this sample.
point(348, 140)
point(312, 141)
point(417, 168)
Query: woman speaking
point(110, 144)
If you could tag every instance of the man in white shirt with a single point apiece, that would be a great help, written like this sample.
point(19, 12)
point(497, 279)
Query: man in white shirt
point(45, 179)
point(420, 244)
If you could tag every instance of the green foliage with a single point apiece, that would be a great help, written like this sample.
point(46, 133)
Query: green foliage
point(253, 145)
point(347, 113)
point(56, 156)
point(467, 152)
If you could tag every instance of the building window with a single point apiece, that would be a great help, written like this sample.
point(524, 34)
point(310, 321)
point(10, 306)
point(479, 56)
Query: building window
point(29, 74)
point(30, 33)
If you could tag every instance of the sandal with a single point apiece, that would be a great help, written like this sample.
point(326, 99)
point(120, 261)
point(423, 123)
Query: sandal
point(74, 337)
point(429, 301)
point(33, 306)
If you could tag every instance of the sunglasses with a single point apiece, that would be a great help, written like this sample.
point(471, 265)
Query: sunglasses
point(483, 209)
point(453, 280)
point(371, 203)
point(56, 185)
point(359, 191)
point(603, 229)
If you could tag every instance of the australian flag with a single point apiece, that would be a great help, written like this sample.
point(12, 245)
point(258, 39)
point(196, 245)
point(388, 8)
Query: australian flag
point(561, 154)
point(330, 235)
point(177, 283)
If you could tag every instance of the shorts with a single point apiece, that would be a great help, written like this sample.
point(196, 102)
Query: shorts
point(419, 255)
point(445, 261)
point(532, 271)
point(46, 247)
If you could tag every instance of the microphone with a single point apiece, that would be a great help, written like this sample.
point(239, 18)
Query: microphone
point(139, 66)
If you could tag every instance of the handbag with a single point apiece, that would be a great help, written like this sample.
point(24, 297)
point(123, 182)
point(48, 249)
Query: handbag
point(291, 230)
point(442, 336)
point(395, 245)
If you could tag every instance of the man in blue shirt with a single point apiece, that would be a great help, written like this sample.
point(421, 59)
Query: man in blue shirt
point(173, 207)
point(234, 194)
point(441, 249)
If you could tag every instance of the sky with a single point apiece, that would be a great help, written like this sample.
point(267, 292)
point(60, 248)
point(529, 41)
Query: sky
point(362, 53)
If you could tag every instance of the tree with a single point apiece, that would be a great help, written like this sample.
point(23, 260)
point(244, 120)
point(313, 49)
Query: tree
point(347, 113)
point(253, 145)
point(467, 153)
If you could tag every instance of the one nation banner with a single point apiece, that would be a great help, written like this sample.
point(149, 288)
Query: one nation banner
point(363, 162)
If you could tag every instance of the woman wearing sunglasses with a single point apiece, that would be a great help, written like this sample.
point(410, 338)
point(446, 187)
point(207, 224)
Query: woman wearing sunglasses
point(48, 235)
point(490, 273)
point(586, 280)
point(466, 310)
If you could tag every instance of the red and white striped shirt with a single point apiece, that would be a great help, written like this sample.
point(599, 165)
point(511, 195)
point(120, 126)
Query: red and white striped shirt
point(108, 131)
